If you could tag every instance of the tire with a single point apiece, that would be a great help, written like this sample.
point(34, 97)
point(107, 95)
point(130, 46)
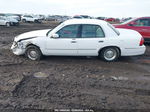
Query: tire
point(33, 53)
point(109, 54)
point(24, 21)
point(35, 21)
point(17, 24)
point(7, 24)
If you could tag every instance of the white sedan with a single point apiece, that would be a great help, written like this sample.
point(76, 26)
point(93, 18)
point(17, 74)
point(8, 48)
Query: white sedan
point(80, 37)
point(4, 22)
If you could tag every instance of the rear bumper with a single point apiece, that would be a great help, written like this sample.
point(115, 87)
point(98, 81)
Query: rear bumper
point(133, 51)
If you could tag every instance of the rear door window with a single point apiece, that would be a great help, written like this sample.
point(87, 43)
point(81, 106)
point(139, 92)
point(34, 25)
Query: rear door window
point(92, 31)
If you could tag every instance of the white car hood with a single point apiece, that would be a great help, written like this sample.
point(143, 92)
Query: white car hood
point(31, 34)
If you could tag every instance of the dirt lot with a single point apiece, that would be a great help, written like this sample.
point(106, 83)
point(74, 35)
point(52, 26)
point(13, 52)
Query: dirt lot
point(70, 82)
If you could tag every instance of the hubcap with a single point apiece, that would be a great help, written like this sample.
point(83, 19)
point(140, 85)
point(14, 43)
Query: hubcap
point(7, 24)
point(32, 55)
point(110, 54)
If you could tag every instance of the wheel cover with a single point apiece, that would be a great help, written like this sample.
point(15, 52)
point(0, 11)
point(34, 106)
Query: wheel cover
point(32, 54)
point(110, 54)
point(7, 24)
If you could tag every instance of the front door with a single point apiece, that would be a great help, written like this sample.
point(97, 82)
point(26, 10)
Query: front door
point(66, 44)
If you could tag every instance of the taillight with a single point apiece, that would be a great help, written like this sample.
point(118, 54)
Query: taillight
point(142, 41)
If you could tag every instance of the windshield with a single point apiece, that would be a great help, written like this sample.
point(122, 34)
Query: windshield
point(55, 29)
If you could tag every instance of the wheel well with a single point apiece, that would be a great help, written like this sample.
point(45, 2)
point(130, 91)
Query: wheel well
point(33, 45)
point(99, 52)
point(7, 22)
point(23, 19)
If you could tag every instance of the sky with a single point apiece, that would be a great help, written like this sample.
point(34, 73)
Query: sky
point(96, 8)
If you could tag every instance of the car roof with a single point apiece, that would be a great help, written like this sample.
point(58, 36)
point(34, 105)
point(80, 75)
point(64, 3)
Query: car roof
point(84, 21)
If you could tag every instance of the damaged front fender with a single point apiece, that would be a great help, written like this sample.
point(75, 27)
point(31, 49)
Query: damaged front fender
point(19, 48)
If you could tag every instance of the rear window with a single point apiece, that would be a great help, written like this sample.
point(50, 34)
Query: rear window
point(114, 29)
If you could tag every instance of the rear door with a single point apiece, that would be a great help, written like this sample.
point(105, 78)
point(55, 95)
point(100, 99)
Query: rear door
point(91, 39)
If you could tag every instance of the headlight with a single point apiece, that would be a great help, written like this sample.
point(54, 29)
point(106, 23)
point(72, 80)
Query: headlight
point(15, 44)
point(20, 44)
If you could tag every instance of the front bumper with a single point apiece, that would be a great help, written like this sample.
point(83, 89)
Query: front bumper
point(17, 50)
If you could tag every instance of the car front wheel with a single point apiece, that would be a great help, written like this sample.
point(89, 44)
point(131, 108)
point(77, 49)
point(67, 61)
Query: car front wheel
point(110, 54)
point(33, 53)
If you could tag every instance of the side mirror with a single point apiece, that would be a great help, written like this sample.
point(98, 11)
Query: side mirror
point(132, 24)
point(55, 36)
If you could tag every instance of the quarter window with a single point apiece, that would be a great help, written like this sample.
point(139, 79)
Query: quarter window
point(92, 31)
point(70, 31)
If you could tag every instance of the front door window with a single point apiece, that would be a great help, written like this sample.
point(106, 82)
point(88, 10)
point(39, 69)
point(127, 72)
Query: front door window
point(70, 31)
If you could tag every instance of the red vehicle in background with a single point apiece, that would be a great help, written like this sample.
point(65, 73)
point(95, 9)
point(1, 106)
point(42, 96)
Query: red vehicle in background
point(142, 25)
point(110, 19)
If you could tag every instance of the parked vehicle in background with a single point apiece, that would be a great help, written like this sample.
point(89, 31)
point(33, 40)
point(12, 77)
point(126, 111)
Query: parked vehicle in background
point(4, 22)
point(80, 37)
point(77, 17)
point(101, 18)
point(82, 17)
point(110, 19)
point(13, 16)
point(13, 22)
point(29, 18)
point(86, 16)
point(62, 19)
point(142, 25)
point(41, 17)
point(9, 15)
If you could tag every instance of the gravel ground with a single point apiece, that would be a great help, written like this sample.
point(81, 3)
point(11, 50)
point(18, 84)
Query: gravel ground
point(70, 82)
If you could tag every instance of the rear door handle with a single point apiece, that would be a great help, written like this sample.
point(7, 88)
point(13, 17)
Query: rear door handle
point(73, 41)
point(101, 41)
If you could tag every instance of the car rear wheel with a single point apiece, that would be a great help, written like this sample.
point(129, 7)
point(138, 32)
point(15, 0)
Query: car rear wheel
point(24, 20)
point(35, 21)
point(7, 24)
point(110, 54)
point(33, 53)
